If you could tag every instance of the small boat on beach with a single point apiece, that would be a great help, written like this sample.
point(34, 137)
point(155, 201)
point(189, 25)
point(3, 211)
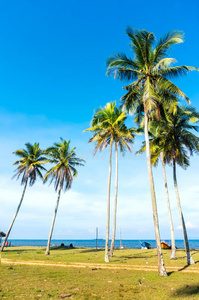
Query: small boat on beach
point(165, 245)
point(145, 245)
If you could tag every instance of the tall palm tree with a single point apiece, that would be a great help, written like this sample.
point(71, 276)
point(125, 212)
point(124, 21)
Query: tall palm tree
point(175, 140)
point(29, 167)
point(108, 127)
point(150, 70)
point(123, 140)
point(62, 173)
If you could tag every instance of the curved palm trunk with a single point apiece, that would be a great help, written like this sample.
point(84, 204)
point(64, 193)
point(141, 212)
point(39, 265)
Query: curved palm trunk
point(53, 222)
point(115, 204)
point(7, 235)
point(108, 206)
point(161, 267)
point(190, 260)
point(173, 247)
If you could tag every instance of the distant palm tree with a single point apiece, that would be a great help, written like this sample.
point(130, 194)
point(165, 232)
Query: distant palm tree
point(108, 127)
point(150, 70)
point(62, 173)
point(174, 139)
point(30, 166)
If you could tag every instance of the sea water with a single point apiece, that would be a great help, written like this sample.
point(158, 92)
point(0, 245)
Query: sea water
point(131, 244)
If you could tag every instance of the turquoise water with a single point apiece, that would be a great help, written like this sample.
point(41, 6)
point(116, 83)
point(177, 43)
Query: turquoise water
point(194, 244)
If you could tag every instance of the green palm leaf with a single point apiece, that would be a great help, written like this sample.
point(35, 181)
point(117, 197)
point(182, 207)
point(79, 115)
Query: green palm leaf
point(30, 164)
point(65, 161)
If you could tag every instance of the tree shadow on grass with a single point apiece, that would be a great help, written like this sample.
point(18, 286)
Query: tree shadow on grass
point(21, 250)
point(184, 268)
point(187, 291)
point(62, 248)
point(137, 256)
point(91, 250)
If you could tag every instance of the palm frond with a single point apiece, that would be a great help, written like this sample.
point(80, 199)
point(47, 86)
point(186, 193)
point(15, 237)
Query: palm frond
point(64, 160)
point(165, 84)
point(31, 159)
point(165, 43)
point(174, 72)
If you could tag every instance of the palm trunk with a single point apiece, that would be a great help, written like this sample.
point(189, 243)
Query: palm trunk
point(53, 222)
point(173, 247)
point(108, 206)
point(7, 235)
point(161, 267)
point(115, 204)
point(190, 260)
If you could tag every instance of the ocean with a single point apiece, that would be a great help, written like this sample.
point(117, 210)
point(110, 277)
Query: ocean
point(131, 244)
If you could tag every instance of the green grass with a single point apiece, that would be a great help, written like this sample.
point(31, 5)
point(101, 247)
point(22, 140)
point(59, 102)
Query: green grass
point(53, 282)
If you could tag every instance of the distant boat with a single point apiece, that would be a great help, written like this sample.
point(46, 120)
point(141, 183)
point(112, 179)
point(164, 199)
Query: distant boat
point(146, 245)
point(165, 245)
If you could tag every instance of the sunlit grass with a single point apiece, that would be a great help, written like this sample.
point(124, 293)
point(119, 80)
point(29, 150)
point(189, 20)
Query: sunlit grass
point(53, 282)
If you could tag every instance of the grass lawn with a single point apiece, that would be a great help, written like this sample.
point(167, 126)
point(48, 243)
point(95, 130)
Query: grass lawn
point(120, 279)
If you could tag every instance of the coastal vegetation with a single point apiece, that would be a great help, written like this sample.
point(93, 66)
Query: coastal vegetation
point(149, 72)
point(108, 128)
point(172, 139)
point(153, 101)
point(29, 167)
point(64, 163)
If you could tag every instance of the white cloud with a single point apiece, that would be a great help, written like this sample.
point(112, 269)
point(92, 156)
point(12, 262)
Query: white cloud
point(189, 225)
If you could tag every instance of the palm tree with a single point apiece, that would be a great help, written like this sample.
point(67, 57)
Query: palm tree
point(155, 156)
point(123, 138)
point(150, 70)
point(108, 127)
point(62, 173)
point(170, 106)
point(175, 140)
point(30, 166)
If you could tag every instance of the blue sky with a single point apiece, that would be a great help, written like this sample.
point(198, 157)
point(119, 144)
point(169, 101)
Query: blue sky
point(52, 73)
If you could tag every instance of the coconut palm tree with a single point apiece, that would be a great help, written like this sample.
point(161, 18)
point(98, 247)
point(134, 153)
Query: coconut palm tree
point(150, 71)
point(156, 155)
point(62, 173)
point(29, 167)
point(108, 128)
point(123, 139)
point(170, 106)
point(175, 140)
